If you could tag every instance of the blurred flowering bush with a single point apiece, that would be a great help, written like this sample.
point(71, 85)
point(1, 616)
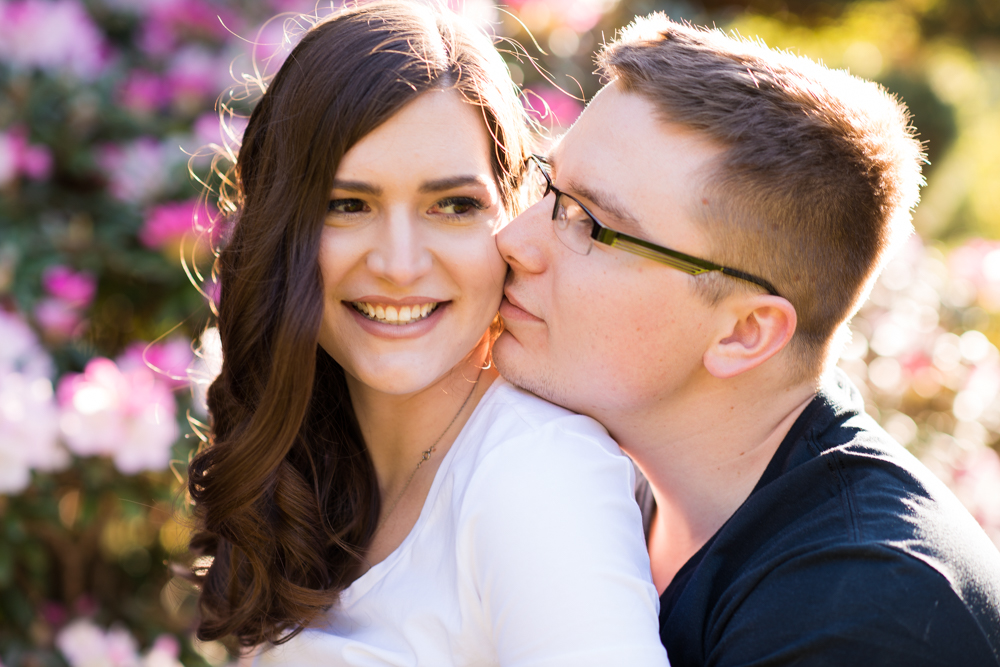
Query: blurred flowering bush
point(104, 107)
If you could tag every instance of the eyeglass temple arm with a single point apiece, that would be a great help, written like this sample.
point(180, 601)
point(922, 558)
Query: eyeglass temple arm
point(678, 260)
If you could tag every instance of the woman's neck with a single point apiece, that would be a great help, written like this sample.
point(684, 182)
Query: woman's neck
point(398, 428)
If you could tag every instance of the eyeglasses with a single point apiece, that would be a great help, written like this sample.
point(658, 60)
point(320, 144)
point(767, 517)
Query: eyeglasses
point(577, 228)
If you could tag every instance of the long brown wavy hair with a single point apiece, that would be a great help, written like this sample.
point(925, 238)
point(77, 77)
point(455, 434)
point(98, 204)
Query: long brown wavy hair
point(285, 494)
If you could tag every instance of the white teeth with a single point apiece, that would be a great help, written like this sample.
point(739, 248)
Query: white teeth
point(394, 315)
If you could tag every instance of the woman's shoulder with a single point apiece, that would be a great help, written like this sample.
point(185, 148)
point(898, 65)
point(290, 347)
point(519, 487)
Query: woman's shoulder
point(511, 418)
point(517, 428)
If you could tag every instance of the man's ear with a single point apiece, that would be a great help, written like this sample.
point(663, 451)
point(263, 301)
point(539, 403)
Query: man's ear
point(756, 329)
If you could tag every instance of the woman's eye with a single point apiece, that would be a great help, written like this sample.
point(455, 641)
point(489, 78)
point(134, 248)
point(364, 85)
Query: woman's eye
point(347, 206)
point(457, 206)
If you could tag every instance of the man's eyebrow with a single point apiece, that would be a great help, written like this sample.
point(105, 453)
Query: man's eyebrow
point(607, 201)
point(452, 182)
point(358, 186)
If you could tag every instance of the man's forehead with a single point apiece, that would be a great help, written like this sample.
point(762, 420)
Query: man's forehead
point(640, 170)
point(587, 162)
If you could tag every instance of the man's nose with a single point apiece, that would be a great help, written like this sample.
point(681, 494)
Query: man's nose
point(524, 242)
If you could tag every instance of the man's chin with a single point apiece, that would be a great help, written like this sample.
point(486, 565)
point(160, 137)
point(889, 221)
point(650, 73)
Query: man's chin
point(510, 359)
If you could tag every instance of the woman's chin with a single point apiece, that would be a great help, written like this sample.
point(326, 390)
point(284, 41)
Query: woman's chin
point(411, 372)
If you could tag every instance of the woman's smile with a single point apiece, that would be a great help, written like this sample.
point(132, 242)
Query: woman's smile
point(393, 314)
point(385, 328)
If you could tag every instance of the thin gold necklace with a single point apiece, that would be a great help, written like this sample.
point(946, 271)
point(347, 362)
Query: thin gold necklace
point(426, 454)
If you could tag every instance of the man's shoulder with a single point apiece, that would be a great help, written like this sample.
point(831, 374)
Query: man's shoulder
point(845, 528)
point(844, 604)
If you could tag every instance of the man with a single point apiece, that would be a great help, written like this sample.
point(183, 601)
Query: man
point(785, 527)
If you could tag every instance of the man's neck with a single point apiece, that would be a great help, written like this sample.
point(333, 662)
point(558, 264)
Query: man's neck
point(703, 454)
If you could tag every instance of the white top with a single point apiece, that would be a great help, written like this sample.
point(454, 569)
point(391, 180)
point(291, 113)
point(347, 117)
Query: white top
point(528, 551)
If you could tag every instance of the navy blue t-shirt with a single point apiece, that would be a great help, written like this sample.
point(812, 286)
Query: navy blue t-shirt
point(847, 552)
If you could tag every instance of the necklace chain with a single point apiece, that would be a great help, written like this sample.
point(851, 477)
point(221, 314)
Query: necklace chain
point(426, 455)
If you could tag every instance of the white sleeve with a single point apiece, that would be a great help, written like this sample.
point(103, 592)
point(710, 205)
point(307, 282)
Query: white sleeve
point(552, 539)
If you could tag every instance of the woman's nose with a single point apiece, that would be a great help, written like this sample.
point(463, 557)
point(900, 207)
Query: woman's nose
point(400, 254)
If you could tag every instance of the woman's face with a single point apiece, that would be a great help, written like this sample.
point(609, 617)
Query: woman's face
point(411, 273)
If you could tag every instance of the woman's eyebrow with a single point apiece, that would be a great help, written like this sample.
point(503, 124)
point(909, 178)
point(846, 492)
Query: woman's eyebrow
point(453, 182)
point(358, 186)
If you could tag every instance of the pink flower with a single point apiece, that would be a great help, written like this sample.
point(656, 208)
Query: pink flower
point(28, 435)
point(85, 644)
point(129, 416)
point(270, 45)
point(36, 162)
point(978, 261)
point(209, 129)
point(170, 360)
point(29, 431)
point(296, 6)
point(54, 613)
point(143, 92)
point(58, 320)
point(21, 352)
point(167, 645)
point(193, 75)
point(546, 102)
point(170, 20)
point(206, 367)
point(972, 472)
point(18, 157)
point(138, 171)
point(82, 643)
point(168, 223)
point(213, 290)
point(52, 35)
point(76, 288)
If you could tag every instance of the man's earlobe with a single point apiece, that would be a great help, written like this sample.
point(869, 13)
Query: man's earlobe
point(760, 327)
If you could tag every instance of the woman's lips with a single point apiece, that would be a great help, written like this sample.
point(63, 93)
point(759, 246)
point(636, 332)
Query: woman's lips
point(390, 313)
point(386, 328)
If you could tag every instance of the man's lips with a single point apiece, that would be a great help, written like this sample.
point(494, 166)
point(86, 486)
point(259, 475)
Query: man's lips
point(511, 309)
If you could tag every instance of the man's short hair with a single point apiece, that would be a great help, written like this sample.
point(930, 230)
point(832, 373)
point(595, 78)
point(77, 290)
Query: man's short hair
point(818, 174)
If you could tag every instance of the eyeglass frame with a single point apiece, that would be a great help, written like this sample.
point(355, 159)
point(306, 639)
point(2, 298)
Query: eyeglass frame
point(672, 258)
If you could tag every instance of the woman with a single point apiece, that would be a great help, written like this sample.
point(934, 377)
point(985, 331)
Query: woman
point(383, 498)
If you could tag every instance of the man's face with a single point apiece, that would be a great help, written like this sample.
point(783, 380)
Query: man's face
point(610, 332)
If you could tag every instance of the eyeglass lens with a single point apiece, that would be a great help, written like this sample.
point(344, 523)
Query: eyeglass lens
point(573, 226)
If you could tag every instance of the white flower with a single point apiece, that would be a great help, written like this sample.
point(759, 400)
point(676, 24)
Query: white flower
point(28, 416)
point(54, 36)
point(139, 171)
point(21, 351)
point(129, 416)
point(207, 366)
point(85, 644)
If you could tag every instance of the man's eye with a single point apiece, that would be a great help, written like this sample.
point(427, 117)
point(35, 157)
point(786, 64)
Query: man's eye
point(457, 206)
point(347, 206)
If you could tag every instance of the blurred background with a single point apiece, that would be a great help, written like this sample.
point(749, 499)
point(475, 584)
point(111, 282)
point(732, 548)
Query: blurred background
point(110, 117)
